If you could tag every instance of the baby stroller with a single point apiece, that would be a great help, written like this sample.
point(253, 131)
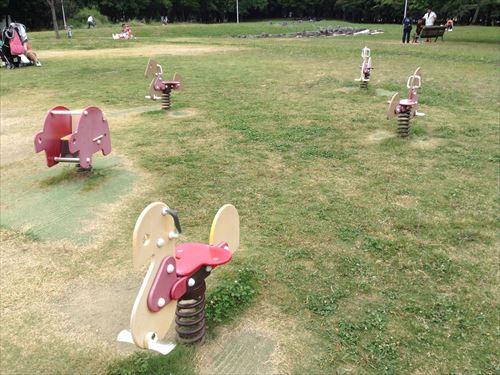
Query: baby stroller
point(12, 50)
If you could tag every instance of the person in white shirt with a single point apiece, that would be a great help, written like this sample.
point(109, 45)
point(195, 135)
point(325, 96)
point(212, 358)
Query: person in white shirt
point(429, 17)
point(90, 22)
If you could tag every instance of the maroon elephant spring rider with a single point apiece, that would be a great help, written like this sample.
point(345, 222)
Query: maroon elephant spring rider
point(73, 136)
point(159, 88)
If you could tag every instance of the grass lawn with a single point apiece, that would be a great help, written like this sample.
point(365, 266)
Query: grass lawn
point(361, 253)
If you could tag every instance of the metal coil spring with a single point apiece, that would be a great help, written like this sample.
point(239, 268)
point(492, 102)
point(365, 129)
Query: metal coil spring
point(363, 84)
point(190, 316)
point(165, 98)
point(404, 123)
point(81, 170)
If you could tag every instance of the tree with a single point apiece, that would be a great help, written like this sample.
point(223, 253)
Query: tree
point(52, 6)
point(481, 4)
point(246, 5)
point(33, 13)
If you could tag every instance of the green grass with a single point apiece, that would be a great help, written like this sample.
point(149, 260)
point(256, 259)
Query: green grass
point(145, 363)
point(232, 294)
point(383, 251)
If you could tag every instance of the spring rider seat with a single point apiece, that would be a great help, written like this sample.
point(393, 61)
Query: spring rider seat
point(405, 109)
point(366, 68)
point(160, 89)
point(174, 285)
point(73, 136)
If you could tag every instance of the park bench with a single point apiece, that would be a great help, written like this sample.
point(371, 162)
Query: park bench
point(432, 32)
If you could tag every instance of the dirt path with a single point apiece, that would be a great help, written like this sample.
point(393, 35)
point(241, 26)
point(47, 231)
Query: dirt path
point(145, 50)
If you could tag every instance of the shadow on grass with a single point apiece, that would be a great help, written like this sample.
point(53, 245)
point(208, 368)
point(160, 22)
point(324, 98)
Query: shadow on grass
point(90, 180)
point(178, 362)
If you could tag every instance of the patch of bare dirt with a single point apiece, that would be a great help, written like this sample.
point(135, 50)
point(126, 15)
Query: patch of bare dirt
point(261, 341)
point(100, 310)
point(379, 136)
point(182, 113)
point(347, 90)
point(52, 318)
point(160, 49)
point(406, 201)
point(427, 144)
point(18, 127)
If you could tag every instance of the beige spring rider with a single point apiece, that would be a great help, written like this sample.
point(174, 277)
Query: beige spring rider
point(405, 109)
point(366, 68)
point(174, 285)
point(159, 89)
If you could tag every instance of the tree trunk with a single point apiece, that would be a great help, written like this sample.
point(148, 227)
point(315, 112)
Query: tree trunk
point(54, 17)
point(476, 13)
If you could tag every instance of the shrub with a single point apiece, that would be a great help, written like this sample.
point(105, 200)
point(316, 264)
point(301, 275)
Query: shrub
point(80, 18)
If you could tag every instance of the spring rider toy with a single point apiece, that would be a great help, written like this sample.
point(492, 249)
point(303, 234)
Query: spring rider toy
point(73, 136)
point(366, 68)
point(174, 285)
point(405, 109)
point(160, 89)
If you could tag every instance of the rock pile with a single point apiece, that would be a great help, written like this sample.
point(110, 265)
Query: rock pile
point(323, 31)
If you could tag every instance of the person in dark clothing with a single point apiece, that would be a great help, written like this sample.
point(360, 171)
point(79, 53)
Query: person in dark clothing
point(407, 21)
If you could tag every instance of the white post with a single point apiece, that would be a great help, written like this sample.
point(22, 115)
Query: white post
point(406, 7)
point(64, 16)
point(237, 12)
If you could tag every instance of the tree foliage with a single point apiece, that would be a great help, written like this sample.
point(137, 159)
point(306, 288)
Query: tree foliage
point(36, 13)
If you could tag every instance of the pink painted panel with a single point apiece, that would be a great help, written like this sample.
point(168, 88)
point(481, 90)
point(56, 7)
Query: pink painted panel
point(174, 85)
point(191, 256)
point(162, 285)
point(159, 84)
point(180, 288)
point(92, 135)
point(49, 139)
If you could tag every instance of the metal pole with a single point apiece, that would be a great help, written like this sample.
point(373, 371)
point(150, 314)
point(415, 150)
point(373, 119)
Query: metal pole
point(406, 6)
point(64, 16)
point(237, 12)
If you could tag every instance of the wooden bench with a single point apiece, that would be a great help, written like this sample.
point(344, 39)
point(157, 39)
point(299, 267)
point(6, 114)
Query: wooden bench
point(432, 32)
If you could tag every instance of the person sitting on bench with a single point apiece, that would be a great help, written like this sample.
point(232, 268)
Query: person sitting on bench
point(449, 24)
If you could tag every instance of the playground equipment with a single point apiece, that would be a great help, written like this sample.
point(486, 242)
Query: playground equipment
point(73, 136)
point(405, 109)
point(160, 89)
point(175, 274)
point(366, 68)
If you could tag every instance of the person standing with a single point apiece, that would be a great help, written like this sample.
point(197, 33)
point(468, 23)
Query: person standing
point(429, 17)
point(407, 21)
point(90, 22)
